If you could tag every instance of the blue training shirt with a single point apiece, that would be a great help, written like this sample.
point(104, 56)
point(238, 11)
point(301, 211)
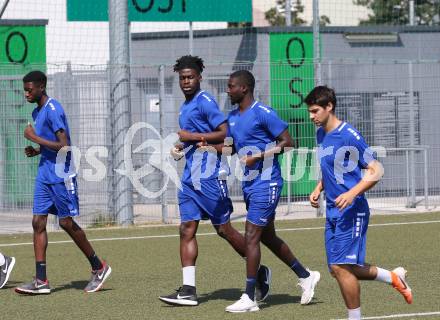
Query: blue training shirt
point(200, 115)
point(47, 121)
point(343, 153)
point(253, 131)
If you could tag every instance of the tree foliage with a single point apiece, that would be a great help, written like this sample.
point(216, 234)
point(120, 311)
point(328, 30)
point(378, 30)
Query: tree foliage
point(396, 12)
point(276, 16)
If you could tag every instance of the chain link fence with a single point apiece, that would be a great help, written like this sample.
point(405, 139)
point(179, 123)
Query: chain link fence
point(380, 57)
point(369, 96)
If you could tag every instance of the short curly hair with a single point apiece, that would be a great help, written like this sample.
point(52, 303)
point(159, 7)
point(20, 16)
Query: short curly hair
point(189, 62)
point(246, 77)
point(35, 76)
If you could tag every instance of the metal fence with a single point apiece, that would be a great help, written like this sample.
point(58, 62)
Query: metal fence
point(394, 105)
point(380, 57)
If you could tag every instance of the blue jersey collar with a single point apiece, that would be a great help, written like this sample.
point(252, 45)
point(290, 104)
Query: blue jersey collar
point(47, 102)
point(248, 108)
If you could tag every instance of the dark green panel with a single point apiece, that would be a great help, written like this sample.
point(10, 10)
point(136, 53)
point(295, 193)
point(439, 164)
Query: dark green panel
point(165, 10)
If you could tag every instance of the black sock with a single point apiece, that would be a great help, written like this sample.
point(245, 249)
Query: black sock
point(300, 271)
point(40, 267)
point(95, 262)
point(250, 287)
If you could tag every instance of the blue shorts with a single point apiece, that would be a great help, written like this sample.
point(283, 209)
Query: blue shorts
point(60, 199)
point(210, 202)
point(261, 204)
point(346, 235)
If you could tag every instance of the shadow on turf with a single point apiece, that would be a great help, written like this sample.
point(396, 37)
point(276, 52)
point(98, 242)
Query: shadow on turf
point(280, 299)
point(283, 299)
point(79, 285)
point(221, 294)
point(233, 294)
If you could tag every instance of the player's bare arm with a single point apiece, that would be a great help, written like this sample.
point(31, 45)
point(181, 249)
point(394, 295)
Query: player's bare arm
point(217, 136)
point(225, 148)
point(284, 140)
point(62, 141)
point(373, 173)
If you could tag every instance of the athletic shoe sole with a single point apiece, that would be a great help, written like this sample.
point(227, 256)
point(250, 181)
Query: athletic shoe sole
point(32, 292)
point(243, 311)
point(179, 302)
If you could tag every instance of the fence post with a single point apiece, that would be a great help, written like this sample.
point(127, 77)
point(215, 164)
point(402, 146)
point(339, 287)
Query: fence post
point(316, 43)
point(288, 164)
point(329, 73)
point(407, 176)
point(411, 13)
point(111, 159)
point(120, 105)
point(2, 166)
point(163, 196)
point(190, 39)
point(412, 166)
point(288, 10)
point(425, 177)
point(317, 66)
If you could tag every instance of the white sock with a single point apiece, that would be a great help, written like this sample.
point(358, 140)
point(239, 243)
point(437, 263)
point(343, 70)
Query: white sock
point(189, 276)
point(354, 314)
point(383, 275)
point(2, 259)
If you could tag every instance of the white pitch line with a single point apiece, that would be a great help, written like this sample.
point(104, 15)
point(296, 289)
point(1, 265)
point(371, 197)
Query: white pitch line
point(211, 233)
point(403, 315)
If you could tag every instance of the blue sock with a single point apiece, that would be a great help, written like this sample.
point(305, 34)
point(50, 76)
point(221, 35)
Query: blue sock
point(40, 267)
point(250, 287)
point(300, 271)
